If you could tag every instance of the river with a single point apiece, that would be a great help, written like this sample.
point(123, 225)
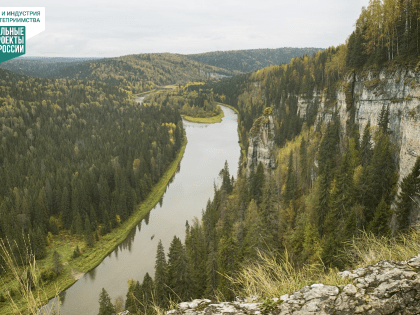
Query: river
point(209, 146)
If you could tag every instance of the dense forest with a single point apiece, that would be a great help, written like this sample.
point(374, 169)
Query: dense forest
point(251, 59)
point(191, 100)
point(41, 67)
point(76, 156)
point(281, 85)
point(135, 73)
point(329, 187)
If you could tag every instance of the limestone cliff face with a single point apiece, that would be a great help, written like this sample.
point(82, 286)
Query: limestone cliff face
point(261, 142)
point(363, 97)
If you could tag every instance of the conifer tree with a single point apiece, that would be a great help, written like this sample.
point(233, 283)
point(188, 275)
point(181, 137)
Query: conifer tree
point(227, 265)
point(105, 305)
point(304, 174)
point(179, 271)
point(161, 276)
point(366, 146)
point(291, 182)
point(147, 294)
point(269, 215)
point(381, 220)
point(410, 185)
point(132, 301)
point(257, 183)
point(253, 240)
point(195, 244)
point(384, 119)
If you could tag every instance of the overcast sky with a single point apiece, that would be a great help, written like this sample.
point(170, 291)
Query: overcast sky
point(92, 28)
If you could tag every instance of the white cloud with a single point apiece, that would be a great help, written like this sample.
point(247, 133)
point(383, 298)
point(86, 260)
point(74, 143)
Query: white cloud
point(114, 28)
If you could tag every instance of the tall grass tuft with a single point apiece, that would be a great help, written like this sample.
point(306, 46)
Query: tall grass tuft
point(369, 248)
point(271, 276)
point(30, 296)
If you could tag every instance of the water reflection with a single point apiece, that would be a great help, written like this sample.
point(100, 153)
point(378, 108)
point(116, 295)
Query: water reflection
point(92, 274)
point(146, 218)
point(128, 242)
point(62, 296)
point(209, 146)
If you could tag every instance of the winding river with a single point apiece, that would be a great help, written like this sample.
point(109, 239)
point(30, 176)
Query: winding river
point(209, 146)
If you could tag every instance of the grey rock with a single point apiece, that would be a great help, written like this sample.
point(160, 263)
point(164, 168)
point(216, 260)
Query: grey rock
point(387, 287)
point(261, 144)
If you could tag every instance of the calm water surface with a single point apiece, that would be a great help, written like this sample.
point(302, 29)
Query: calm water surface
point(209, 146)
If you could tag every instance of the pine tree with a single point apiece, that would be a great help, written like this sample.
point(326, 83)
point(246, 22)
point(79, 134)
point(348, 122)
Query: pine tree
point(366, 146)
point(224, 174)
point(304, 174)
point(257, 183)
point(195, 244)
point(410, 185)
point(381, 220)
point(291, 182)
point(179, 271)
point(161, 276)
point(381, 176)
point(383, 119)
point(132, 301)
point(105, 305)
point(269, 215)
point(147, 293)
point(227, 265)
point(253, 239)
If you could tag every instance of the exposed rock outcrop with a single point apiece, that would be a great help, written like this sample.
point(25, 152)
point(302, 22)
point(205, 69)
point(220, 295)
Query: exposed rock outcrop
point(261, 142)
point(384, 288)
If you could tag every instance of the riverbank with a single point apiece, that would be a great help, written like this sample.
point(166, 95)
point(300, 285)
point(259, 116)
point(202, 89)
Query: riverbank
point(64, 244)
point(206, 120)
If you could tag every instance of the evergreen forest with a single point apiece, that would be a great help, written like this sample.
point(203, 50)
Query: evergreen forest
point(76, 156)
point(331, 186)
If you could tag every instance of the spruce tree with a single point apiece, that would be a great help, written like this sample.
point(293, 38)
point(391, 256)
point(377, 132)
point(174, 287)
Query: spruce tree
point(366, 146)
point(269, 215)
point(105, 305)
point(227, 265)
point(304, 173)
point(381, 220)
point(179, 271)
point(383, 119)
point(410, 185)
point(291, 182)
point(147, 293)
point(161, 276)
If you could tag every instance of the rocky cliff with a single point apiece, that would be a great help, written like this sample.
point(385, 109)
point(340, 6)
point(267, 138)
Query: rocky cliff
point(387, 287)
point(362, 96)
point(261, 142)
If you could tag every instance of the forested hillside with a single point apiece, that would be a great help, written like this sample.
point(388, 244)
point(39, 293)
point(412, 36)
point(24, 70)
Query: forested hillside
point(252, 59)
point(40, 67)
point(335, 179)
point(136, 73)
point(76, 156)
point(191, 100)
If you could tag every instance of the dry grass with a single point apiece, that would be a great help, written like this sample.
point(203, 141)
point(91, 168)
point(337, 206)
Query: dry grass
point(369, 249)
point(30, 295)
point(273, 277)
